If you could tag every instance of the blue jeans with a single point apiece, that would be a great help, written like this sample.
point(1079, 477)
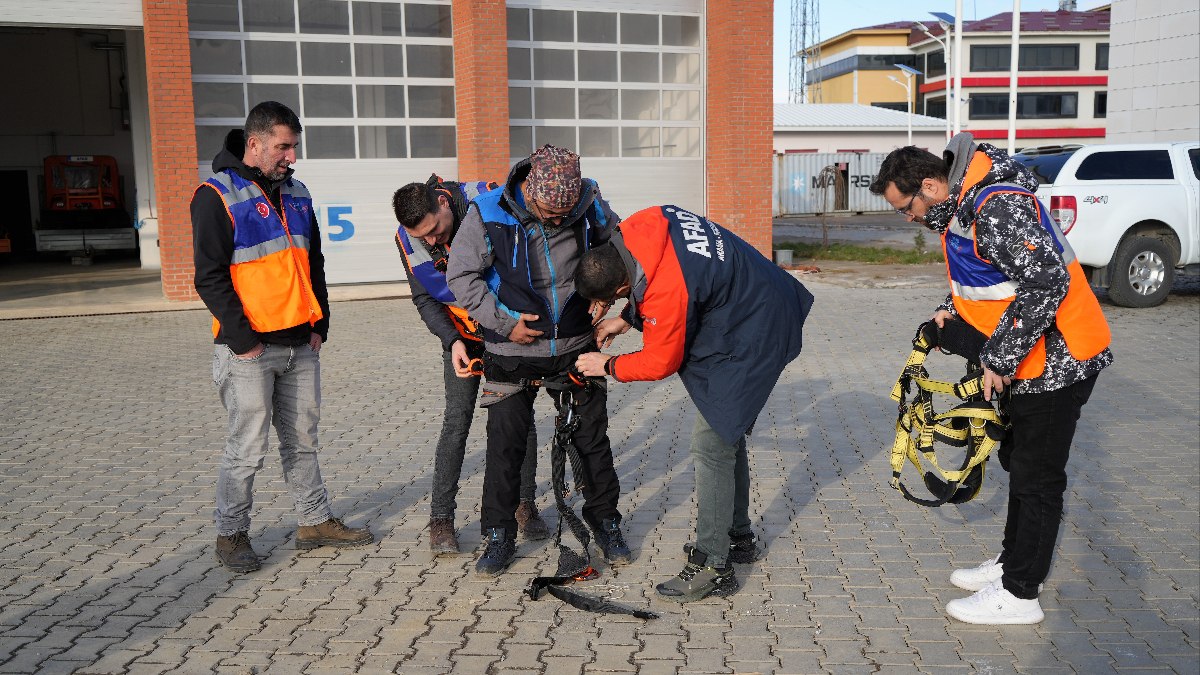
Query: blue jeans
point(461, 393)
point(722, 491)
point(280, 387)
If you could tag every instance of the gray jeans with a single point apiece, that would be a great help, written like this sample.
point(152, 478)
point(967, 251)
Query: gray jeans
point(281, 387)
point(461, 393)
point(722, 491)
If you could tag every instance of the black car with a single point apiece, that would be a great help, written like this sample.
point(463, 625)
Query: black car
point(1046, 161)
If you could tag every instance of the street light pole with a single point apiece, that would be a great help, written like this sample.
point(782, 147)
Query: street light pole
point(907, 84)
point(945, 44)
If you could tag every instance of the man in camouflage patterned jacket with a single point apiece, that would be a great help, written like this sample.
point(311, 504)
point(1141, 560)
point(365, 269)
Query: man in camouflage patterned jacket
point(1014, 277)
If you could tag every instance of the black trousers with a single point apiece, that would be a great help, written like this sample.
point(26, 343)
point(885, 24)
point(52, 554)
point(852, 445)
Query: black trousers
point(508, 425)
point(1036, 453)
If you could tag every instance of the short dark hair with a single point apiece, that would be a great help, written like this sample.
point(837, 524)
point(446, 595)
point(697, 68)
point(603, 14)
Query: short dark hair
point(907, 167)
point(600, 273)
point(413, 202)
point(265, 116)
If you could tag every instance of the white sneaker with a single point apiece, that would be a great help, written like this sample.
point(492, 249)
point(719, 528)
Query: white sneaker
point(994, 606)
point(977, 578)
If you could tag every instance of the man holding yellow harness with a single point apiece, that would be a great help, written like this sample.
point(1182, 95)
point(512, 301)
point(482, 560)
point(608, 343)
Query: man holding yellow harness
point(1013, 277)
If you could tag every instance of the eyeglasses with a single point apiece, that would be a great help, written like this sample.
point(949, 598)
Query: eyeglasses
point(549, 215)
point(907, 210)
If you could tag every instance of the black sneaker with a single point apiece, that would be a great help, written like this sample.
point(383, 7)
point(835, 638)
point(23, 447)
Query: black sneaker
point(499, 554)
point(612, 542)
point(743, 549)
point(235, 553)
point(698, 581)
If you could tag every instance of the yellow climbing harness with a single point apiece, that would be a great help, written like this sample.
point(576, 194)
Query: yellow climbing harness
point(975, 424)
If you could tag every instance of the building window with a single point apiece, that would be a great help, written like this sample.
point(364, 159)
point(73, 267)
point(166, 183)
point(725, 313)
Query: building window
point(605, 83)
point(936, 107)
point(859, 62)
point(1029, 106)
point(1100, 104)
point(935, 64)
point(995, 58)
point(902, 106)
point(370, 79)
point(1102, 56)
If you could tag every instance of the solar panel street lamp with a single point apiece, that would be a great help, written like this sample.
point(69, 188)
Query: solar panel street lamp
point(907, 84)
point(946, 30)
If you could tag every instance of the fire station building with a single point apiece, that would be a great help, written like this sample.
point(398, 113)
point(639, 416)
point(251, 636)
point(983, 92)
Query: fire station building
point(666, 102)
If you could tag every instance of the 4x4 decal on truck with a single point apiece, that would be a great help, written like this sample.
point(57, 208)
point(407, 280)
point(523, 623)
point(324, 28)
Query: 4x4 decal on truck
point(1102, 199)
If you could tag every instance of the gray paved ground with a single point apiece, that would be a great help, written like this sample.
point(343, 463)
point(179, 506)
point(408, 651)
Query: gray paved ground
point(111, 429)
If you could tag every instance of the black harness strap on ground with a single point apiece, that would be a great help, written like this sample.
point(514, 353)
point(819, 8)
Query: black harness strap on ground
point(568, 391)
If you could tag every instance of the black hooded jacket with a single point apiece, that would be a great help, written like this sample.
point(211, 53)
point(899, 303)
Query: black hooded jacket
point(212, 246)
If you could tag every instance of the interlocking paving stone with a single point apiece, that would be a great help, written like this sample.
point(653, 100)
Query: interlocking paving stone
point(108, 448)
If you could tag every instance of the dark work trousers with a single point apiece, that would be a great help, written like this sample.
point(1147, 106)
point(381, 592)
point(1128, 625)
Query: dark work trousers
point(1037, 449)
point(508, 428)
point(461, 393)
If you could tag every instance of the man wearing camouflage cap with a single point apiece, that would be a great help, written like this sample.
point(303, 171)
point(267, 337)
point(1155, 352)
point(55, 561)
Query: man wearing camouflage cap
point(513, 269)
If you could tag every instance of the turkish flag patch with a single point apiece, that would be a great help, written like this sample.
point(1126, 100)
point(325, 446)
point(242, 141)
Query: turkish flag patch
point(263, 210)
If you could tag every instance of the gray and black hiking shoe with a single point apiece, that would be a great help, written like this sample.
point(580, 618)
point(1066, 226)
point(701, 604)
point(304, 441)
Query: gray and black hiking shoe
point(698, 580)
point(612, 543)
point(499, 554)
point(743, 549)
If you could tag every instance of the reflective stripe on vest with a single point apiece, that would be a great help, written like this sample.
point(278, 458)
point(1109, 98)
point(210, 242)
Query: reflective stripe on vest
point(423, 268)
point(269, 266)
point(982, 293)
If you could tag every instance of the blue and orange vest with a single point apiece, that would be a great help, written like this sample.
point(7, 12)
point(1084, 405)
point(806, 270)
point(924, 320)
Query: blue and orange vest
point(270, 252)
point(982, 293)
point(432, 273)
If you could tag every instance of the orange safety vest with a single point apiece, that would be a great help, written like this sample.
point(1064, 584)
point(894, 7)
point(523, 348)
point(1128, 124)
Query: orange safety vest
point(982, 293)
point(269, 266)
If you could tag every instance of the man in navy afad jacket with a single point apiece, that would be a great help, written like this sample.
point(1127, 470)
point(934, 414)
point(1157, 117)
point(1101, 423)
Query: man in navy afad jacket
point(513, 269)
point(728, 320)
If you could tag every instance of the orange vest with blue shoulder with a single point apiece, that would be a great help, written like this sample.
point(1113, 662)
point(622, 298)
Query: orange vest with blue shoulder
point(429, 267)
point(982, 293)
point(269, 266)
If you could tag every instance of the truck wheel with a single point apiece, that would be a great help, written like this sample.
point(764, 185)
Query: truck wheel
point(1143, 272)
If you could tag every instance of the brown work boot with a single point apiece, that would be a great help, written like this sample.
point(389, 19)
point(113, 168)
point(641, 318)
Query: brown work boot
point(529, 521)
point(236, 553)
point(332, 532)
point(441, 536)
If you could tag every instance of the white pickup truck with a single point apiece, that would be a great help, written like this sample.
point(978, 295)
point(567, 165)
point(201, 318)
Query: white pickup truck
point(1130, 211)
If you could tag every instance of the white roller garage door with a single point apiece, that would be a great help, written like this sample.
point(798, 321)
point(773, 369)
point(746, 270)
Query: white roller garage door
point(66, 13)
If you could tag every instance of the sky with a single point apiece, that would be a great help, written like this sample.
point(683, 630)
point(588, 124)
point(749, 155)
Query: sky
point(839, 16)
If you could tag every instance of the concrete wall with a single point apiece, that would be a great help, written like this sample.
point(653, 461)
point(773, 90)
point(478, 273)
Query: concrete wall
point(1154, 71)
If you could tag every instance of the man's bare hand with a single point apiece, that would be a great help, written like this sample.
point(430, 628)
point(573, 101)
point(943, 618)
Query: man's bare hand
point(608, 329)
point(993, 382)
point(940, 316)
point(522, 334)
point(459, 359)
point(592, 363)
point(315, 342)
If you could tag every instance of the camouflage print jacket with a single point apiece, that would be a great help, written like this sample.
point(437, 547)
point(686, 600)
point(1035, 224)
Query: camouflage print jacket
point(1042, 279)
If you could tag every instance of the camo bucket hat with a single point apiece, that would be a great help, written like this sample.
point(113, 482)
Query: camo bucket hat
point(554, 177)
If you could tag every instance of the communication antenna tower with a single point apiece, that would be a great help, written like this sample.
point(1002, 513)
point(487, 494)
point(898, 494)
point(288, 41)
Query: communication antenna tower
point(806, 51)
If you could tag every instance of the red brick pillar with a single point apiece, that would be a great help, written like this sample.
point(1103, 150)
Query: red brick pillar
point(740, 118)
point(172, 139)
point(481, 88)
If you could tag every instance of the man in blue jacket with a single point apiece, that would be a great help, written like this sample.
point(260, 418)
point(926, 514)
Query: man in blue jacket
point(513, 269)
point(728, 320)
